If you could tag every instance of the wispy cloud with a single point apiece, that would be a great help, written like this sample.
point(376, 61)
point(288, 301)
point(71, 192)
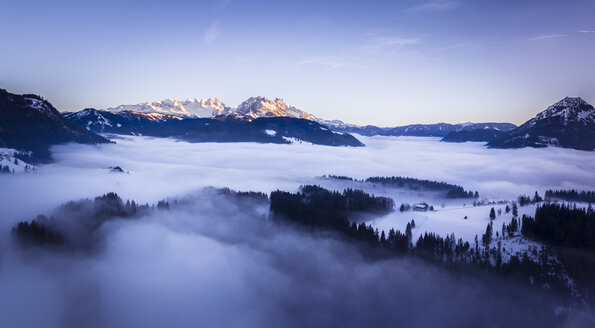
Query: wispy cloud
point(379, 44)
point(329, 62)
point(436, 6)
point(548, 36)
point(371, 45)
point(213, 32)
point(220, 4)
point(585, 31)
point(454, 46)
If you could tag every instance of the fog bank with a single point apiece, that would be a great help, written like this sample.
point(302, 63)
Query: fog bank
point(220, 263)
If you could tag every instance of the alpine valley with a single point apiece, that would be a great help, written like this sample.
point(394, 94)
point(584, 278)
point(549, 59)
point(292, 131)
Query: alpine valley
point(209, 184)
point(568, 123)
point(29, 125)
point(265, 164)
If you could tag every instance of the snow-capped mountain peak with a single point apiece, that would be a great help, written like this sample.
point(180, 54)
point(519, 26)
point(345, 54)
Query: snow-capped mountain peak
point(570, 109)
point(190, 108)
point(569, 123)
point(250, 109)
point(255, 107)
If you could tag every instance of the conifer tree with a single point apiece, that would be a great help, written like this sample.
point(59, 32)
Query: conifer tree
point(487, 237)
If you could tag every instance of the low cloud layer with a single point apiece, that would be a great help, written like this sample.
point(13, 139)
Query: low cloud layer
point(217, 262)
point(162, 168)
point(220, 263)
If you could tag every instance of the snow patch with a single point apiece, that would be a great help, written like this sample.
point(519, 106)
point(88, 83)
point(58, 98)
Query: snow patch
point(14, 164)
point(294, 140)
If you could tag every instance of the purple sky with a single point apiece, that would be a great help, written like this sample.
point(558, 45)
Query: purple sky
point(383, 62)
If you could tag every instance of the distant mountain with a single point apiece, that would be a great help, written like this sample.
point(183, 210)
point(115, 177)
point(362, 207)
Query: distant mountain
point(30, 123)
point(172, 108)
point(422, 130)
point(259, 107)
point(133, 119)
point(222, 129)
point(478, 135)
point(122, 122)
point(252, 108)
point(256, 107)
point(569, 123)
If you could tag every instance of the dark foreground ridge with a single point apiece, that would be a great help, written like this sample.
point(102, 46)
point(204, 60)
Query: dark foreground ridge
point(30, 123)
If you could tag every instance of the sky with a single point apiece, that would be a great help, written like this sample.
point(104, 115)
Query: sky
point(385, 63)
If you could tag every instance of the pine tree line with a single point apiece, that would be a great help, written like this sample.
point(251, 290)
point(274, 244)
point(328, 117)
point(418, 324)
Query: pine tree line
point(571, 195)
point(76, 221)
point(562, 225)
point(312, 210)
point(452, 191)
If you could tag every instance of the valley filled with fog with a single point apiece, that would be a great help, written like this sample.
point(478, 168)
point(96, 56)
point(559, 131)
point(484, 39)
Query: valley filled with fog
point(218, 261)
point(160, 168)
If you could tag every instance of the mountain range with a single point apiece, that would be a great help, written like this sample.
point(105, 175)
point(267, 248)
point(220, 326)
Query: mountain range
point(30, 124)
point(568, 123)
point(252, 108)
point(257, 119)
point(275, 129)
point(421, 130)
point(261, 107)
point(477, 135)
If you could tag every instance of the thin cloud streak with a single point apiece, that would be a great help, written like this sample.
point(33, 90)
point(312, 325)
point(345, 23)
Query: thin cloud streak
point(372, 46)
point(213, 32)
point(460, 45)
point(436, 6)
point(379, 44)
point(549, 36)
point(220, 4)
point(330, 62)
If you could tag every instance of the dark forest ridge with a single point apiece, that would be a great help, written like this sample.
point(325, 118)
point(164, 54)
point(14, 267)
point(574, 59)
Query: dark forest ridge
point(30, 123)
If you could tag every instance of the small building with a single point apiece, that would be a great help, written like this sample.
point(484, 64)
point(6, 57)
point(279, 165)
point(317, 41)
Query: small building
point(422, 207)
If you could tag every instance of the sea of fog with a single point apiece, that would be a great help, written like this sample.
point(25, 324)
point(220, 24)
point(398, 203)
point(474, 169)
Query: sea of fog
point(160, 168)
point(220, 264)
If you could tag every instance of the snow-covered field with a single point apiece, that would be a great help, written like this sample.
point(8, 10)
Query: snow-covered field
point(15, 165)
point(449, 220)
